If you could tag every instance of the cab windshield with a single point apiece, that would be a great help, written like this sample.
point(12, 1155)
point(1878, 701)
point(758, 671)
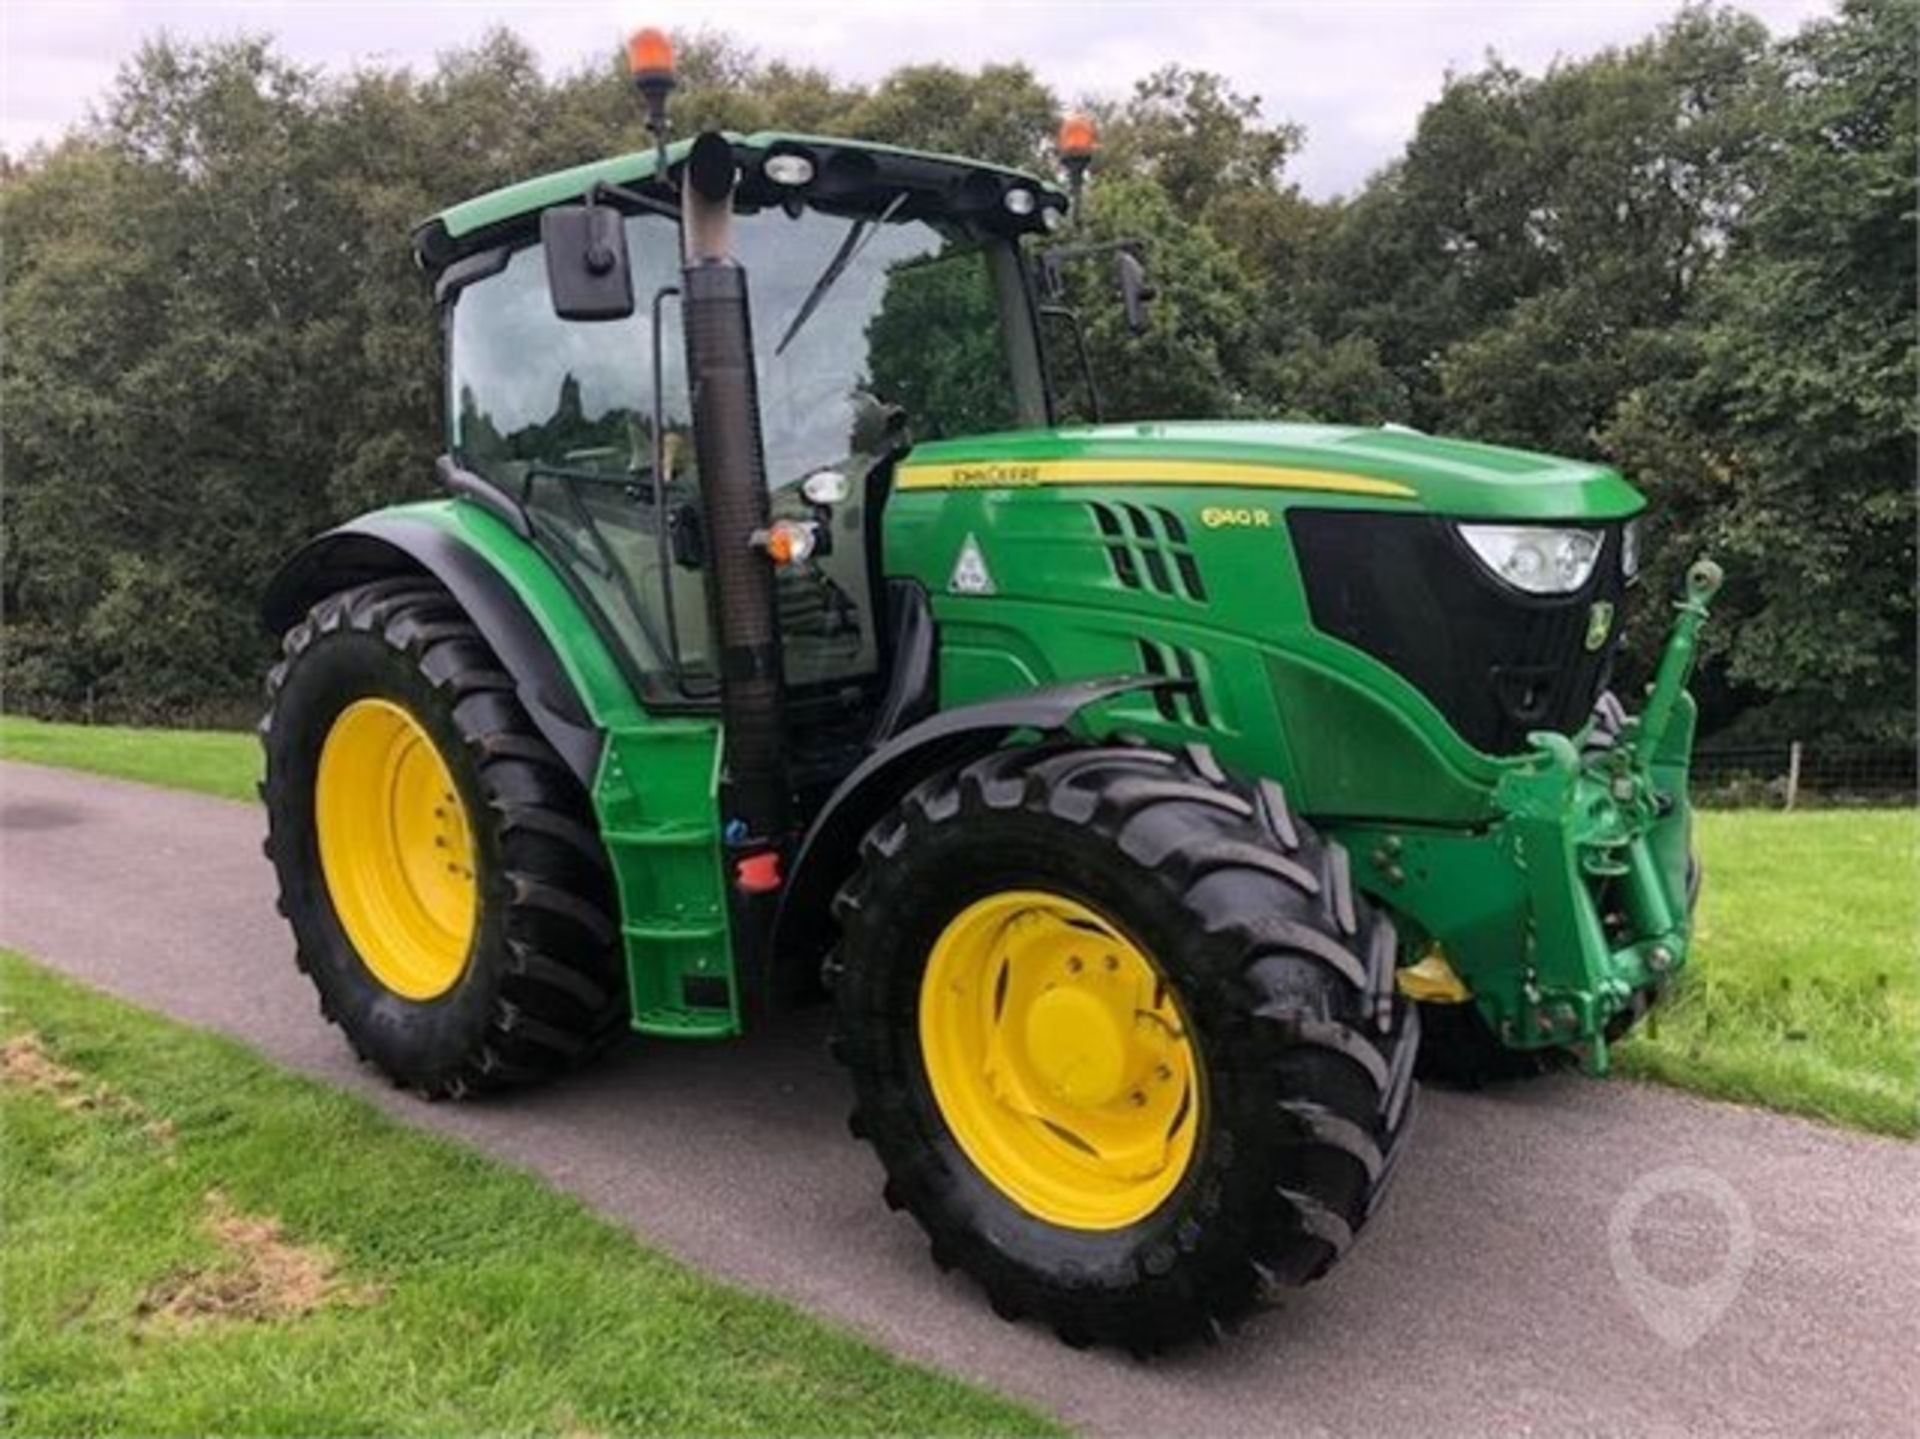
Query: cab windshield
point(912, 321)
point(907, 337)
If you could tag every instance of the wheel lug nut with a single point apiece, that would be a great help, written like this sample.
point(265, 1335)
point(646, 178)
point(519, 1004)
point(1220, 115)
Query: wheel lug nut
point(1073, 965)
point(1138, 1097)
point(1162, 1073)
point(1113, 963)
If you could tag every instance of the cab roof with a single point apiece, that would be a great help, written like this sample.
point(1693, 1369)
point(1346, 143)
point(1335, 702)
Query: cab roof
point(849, 175)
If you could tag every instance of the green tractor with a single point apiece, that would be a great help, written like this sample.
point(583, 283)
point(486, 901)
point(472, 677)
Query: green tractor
point(1135, 793)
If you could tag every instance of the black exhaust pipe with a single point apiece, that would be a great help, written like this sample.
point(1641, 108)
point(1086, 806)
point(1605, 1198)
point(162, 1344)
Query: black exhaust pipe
point(733, 488)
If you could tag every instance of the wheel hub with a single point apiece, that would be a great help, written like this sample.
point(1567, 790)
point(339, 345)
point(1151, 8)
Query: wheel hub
point(396, 849)
point(1059, 1059)
point(1076, 1047)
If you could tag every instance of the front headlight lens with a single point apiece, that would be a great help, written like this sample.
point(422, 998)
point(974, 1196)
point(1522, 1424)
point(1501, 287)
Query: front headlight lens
point(1539, 560)
point(1630, 550)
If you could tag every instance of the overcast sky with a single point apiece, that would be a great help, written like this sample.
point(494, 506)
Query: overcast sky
point(1355, 72)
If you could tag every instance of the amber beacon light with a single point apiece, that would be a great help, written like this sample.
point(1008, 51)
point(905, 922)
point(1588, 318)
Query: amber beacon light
point(1076, 143)
point(650, 63)
point(650, 60)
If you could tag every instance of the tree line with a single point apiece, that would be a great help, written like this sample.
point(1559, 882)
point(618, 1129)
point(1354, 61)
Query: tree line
point(1692, 257)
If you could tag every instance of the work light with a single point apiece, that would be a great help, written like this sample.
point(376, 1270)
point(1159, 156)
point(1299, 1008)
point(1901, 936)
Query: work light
point(788, 168)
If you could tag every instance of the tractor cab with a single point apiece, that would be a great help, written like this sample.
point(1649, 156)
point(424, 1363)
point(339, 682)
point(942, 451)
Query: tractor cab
point(890, 305)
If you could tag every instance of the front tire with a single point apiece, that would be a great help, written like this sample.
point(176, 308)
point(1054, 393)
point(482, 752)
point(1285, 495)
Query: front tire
point(1131, 1192)
point(438, 863)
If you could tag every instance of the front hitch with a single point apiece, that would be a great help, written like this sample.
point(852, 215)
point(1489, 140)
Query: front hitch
point(1602, 842)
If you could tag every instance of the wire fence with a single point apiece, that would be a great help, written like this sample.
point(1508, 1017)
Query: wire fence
point(1804, 775)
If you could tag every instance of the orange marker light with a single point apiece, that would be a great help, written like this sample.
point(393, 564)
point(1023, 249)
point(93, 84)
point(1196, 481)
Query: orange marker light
point(786, 542)
point(650, 56)
point(1077, 139)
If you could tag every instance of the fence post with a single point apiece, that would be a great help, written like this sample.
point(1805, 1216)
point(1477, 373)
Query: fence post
point(1793, 772)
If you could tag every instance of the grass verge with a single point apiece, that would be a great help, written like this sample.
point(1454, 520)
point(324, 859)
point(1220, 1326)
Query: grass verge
point(216, 762)
point(199, 1243)
point(1804, 994)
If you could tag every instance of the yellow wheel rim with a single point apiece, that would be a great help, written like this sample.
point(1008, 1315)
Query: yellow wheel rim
point(1059, 1060)
point(396, 849)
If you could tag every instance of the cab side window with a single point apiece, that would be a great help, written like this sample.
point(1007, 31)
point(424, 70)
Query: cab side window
point(559, 414)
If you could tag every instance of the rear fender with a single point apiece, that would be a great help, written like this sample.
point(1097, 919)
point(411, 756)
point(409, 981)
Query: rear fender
point(396, 543)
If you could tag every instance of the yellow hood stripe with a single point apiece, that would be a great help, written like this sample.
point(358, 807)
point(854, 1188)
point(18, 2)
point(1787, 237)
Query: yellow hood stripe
point(1017, 474)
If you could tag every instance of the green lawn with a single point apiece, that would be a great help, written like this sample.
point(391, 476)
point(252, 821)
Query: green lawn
point(1805, 993)
point(212, 761)
point(198, 1242)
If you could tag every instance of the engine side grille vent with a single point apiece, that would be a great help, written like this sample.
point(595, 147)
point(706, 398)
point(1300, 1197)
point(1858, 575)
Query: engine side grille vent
point(1183, 706)
point(1148, 549)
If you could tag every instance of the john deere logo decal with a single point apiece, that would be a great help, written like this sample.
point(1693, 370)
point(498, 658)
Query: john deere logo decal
point(1599, 623)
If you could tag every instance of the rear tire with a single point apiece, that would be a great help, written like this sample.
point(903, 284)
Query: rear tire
point(535, 986)
point(1282, 974)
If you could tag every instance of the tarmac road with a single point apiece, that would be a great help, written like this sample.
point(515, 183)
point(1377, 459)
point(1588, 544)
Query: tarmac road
point(1486, 1298)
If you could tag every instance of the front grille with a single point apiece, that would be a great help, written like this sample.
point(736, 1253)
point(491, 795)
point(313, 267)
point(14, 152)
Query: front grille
point(1497, 663)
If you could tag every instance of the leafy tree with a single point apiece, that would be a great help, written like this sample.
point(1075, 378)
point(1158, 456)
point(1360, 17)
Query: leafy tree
point(1575, 210)
point(1003, 113)
point(1693, 255)
point(1193, 358)
point(933, 348)
point(1196, 138)
point(1790, 449)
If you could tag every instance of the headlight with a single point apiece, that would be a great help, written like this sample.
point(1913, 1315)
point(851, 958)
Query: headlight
point(1533, 558)
point(1630, 550)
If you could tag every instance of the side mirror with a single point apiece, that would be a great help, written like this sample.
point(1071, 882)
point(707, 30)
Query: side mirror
point(1135, 289)
point(588, 274)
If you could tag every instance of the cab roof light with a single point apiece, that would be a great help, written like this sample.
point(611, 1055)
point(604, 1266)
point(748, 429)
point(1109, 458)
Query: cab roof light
point(1078, 139)
point(1076, 143)
point(650, 60)
point(650, 63)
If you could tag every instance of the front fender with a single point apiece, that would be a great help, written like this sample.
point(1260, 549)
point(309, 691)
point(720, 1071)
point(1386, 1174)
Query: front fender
point(407, 541)
point(803, 928)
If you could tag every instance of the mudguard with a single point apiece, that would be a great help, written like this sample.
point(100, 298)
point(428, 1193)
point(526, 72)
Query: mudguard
point(378, 545)
point(804, 928)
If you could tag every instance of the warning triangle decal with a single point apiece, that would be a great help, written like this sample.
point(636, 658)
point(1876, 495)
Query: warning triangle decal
point(970, 573)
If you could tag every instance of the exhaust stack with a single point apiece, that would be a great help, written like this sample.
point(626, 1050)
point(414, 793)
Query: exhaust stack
point(733, 489)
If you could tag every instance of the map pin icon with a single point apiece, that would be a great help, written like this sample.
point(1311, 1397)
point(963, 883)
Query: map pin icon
point(1681, 1314)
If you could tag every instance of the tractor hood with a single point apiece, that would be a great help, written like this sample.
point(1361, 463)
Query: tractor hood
point(1383, 468)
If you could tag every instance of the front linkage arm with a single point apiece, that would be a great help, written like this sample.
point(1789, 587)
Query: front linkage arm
point(1602, 843)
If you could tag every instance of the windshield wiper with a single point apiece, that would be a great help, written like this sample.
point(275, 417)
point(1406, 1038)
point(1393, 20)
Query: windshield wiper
point(858, 234)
